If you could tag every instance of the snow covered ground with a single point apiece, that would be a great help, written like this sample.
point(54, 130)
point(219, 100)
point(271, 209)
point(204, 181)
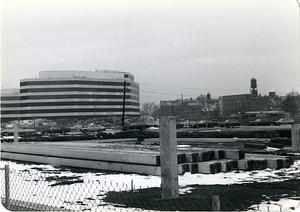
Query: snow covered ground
point(85, 190)
point(281, 206)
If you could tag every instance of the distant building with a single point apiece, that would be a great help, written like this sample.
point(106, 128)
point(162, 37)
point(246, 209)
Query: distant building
point(72, 94)
point(275, 101)
point(201, 108)
point(242, 103)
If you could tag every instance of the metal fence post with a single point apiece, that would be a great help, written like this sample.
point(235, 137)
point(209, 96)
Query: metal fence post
point(216, 203)
point(7, 191)
point(168, 157)
point(132, 185)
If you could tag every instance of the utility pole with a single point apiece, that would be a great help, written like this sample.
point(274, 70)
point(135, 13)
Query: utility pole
point(34, 129)
point(123, 111)
point(94, 102)
point(181, 106)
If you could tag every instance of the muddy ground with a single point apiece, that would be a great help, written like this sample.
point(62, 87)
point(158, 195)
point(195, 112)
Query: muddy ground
point(232, 197)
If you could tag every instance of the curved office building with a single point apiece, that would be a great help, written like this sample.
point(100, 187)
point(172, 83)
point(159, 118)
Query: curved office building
point(61, 94)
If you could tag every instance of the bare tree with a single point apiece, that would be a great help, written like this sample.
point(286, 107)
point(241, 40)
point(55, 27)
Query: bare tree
point(291, 103)
point(149, 109)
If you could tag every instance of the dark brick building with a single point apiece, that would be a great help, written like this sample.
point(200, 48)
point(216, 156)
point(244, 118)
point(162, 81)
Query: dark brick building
point(241, 103)
point(201, 108)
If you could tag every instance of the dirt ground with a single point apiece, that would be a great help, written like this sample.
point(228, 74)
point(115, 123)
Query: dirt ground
point(232, 197)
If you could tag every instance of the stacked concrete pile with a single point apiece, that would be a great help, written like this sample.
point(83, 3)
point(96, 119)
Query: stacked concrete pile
point(137, 160)
point(215, 161)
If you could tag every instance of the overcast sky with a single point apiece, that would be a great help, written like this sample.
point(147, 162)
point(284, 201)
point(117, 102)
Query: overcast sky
point(171, 46)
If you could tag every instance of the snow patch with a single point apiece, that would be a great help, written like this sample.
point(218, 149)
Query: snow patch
point(93, 186)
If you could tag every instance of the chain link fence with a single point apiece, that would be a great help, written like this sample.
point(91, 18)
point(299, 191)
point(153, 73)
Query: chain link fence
point(38, 191)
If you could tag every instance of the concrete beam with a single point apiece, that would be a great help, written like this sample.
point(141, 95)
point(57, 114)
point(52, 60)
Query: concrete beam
point(209, 167)
point(194, 168)
point(252, 164)
point(288, 161)
point(277, 163)
point(244, 164)
point(192, 157)
point(183, 168)
point(228, 165)
point(93, 154)
point(260, 164)
point(207, 156)
point(109, 166)
point(234, 154)
point(219, 154)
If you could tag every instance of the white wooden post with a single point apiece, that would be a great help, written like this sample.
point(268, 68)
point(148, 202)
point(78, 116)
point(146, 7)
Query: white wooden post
point(16, 134)
point(7, 189)
point(296, 138)
point(168, 157)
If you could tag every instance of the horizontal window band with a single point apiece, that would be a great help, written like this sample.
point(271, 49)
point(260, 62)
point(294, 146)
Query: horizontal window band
point(66, 107)
point(64, 116)
point(70, 82)
point(75, 96)
point(91, 87)
point(67, 103)
point(84, 93)
point(68, 100)
point(3, 98)
point(28, 90)
point(74, 110)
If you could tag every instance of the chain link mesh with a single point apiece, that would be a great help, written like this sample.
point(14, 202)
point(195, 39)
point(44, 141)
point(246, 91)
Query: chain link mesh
point(37, 190)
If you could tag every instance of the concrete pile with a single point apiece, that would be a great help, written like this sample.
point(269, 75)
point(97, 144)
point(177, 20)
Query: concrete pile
point(211, 162)
point(134, 160)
